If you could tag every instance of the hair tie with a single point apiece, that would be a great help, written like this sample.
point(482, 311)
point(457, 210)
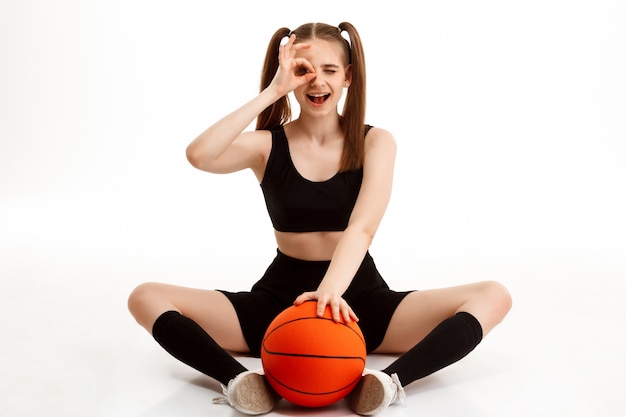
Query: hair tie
point(346, 37)
point(285, 39)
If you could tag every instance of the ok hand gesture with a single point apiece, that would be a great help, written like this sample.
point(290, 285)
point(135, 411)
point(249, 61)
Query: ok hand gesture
point(292, 72)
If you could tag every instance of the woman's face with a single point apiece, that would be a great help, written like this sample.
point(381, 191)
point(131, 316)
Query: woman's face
point(321, 95)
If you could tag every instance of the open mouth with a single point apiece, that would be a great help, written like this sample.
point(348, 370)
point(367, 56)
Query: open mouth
point(318, 98)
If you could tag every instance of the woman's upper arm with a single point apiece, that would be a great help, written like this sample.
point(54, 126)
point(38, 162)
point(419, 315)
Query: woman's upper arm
point(378, 167)
point(248, 150)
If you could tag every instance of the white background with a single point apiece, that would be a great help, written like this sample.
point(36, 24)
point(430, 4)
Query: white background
point(509, 118)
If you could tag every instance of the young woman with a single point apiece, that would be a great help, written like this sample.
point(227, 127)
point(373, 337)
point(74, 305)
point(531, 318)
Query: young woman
point(326, 178)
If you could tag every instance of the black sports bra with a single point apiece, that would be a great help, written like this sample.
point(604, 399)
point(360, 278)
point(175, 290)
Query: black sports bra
point(296, 204)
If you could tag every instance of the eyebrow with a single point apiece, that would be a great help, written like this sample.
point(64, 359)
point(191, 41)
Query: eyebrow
point(330, 66)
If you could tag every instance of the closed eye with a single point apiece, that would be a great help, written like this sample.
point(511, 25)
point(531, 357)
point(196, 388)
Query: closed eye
point(330, 68)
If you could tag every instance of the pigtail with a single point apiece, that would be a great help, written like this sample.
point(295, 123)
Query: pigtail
point(279, 112)
point(353, 115)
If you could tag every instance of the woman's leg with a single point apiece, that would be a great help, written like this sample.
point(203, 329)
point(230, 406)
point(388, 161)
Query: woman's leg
point(210, 309)
point(436, 328)
point(433, 329)
point(196, 327)
point(421, 311)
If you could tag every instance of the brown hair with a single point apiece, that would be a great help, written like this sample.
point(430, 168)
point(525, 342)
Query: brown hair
point(353, 115)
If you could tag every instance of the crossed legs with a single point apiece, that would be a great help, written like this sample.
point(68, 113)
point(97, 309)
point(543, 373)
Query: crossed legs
point(431, 328)
point(416, 316)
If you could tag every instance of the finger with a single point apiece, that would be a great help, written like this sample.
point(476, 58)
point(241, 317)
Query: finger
point(321, 307)
point(304, 69)
point(345, 313)
point(291, 43)
point(288, 47)
point(353, 315)
point(304, 63)
point(303, 298)
point(281, 53)
point(349, 315)
point(283, 49)
point(337, 315)
point(290, 50)
point(303, 45)
point(335, 308)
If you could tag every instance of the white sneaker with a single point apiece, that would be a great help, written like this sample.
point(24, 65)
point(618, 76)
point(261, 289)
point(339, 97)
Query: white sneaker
point(374, 392)
point(250, 393)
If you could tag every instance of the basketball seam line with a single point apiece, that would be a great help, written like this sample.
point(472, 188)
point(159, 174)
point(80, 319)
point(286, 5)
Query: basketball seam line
point(314, 393)
point(317, 318)
point(307, 355)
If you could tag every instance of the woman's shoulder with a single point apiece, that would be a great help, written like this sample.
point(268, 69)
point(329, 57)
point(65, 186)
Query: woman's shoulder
point(377, 136)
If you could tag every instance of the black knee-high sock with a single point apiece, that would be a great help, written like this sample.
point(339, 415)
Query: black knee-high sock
point(184, 339)
point(450, 341)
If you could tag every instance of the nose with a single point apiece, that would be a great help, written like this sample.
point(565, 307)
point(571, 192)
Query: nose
point(317, 80)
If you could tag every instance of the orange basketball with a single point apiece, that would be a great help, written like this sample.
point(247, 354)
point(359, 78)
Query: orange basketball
point(312, 361)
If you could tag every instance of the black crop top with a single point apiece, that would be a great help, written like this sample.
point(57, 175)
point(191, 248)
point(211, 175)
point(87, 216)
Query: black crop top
point(296, 204)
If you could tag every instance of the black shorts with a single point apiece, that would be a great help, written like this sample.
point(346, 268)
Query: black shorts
point(286, 278)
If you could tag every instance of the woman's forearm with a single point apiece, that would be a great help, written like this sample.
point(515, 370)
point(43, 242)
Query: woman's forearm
point(214, 141)
point(346, 260)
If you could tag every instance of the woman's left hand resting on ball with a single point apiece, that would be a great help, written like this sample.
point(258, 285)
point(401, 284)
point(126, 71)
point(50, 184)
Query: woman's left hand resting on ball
point(339, 308)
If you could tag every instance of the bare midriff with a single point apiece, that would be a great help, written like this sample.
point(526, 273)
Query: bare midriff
point(309, 246)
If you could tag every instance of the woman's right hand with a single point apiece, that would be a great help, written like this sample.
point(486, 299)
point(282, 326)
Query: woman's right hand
point(217, 148)
point(292, 72)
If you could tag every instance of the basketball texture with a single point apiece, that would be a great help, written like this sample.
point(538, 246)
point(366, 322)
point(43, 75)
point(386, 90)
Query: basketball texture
point(312, 361)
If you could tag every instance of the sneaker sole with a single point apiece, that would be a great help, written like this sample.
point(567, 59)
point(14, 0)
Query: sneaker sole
point(368, 395)
point(254, 395)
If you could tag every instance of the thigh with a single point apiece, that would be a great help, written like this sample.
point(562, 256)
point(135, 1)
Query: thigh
point(421, 311)
point(210, 309)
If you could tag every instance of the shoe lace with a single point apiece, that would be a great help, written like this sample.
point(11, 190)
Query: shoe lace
point(224, 399)
point(400, 394)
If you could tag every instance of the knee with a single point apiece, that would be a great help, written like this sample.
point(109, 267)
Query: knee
point(141, 298)
point(499, 299)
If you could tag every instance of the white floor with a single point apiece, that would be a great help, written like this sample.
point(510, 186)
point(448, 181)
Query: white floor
point(69, 347)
